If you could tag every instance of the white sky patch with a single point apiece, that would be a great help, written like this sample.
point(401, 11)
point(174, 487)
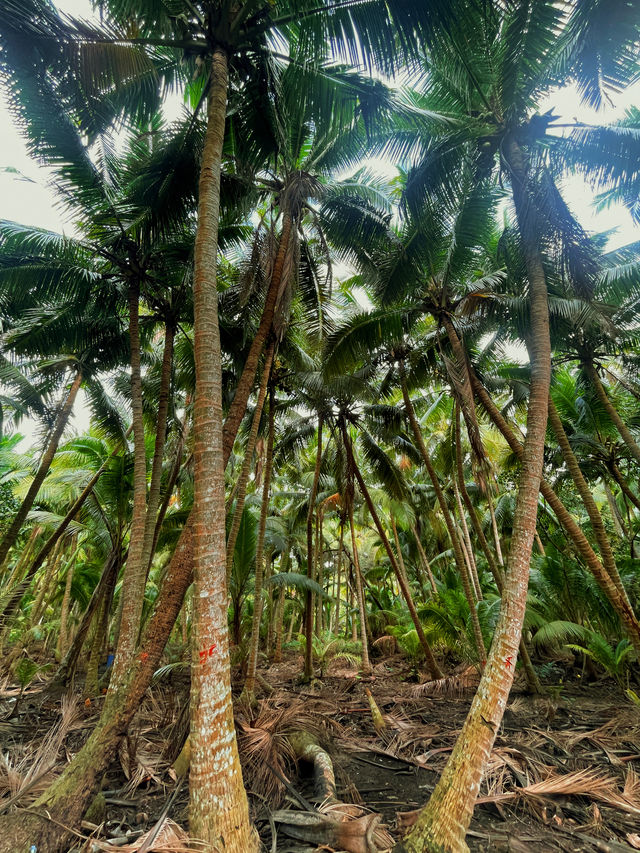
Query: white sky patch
point(26, 197)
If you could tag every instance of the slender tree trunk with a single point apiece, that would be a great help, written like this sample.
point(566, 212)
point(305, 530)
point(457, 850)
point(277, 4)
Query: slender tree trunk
point(597, 525)
point(254, 645)
point(453, 533)
point(318, 562)
point(135, 571)
point(246, 464)
point(16, 573)
point(624, 486)
point(399, 556)
point(494, 527)
point(611, 410)
point(432, 664)
point(565, 519)
point(336, 624)
point(495, 569)
point(45, 585)
point(62, 419)
point(279, 628)
point(153, 499)
point(425, 561)
point(614, 510)
point(308, 606)
point(66, 604)
point(173, 479)
point(466, 542)
point(218, 808)
point(366, 663)
point(443, 823)
point(247, 377)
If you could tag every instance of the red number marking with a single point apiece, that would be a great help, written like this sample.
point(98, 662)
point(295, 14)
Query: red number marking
point(508, 661)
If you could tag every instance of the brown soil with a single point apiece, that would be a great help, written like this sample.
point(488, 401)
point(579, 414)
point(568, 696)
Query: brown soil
point(578, 727)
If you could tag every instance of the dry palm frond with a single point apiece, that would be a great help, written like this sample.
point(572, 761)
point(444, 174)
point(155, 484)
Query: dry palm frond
point(588, 783)
point(264, 744)
point(451, 685)
point(171, 838)
point(29, 771)
point(140, 763)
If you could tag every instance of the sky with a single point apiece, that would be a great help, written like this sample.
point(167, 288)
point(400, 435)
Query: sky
point(25, 196)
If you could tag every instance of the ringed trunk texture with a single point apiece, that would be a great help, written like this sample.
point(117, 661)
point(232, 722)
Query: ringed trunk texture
point(10, 537)
point(366, 663)
point(218, 808)
point(443, 823)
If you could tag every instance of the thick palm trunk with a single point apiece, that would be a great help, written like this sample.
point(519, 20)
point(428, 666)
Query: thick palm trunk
point(597, 525)
point(308, 601)
point(443, 823)
point(246, 464)
point(432, 664)
point(65, 800)
point(153, 499)
point(218, 808)
point(254, 645)
point(465, 576)
point(245, 383)
point(10, 537)
point(611, 410)
point(135, 570)
point(362, 610)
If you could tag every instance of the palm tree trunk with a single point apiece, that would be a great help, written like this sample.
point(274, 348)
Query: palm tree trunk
point(218, 808)
point(366, 663)
point(336, 624)
point(425, 561)
point(495, 569)
point(399, 556)
point(153, 499)
point(135, 571)
point(432, 664)
point(466, 542)
point(597, 525)
point(614, 511)
point(624, 486)
point(254, 644)
point(465, 576)
point(565, 519)
point(45, 584)
point(443, 823)
point(248, 456)
point(611, 410)
point(245, 383)
point(66, 605)
point(66, 799)
point(308, 606)
point(62, 419)
point(279, 627)
point(319, 571)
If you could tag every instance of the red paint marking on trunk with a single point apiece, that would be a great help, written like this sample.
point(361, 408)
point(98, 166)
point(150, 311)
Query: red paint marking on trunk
point(207, 653)
point(508, 661)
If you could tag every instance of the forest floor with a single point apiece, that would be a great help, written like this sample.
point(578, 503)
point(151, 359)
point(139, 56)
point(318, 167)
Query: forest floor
point(564, 774)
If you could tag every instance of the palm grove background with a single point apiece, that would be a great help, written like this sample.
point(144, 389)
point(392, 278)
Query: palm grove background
point(437, 445)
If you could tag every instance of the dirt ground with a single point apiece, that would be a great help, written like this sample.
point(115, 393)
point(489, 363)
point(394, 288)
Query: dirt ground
point(564, 774)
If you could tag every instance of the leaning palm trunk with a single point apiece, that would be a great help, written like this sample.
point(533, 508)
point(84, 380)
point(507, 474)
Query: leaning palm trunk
point(611, 410)
point(424, 560)
point(432, 664)
point(218, 808)
point(245, 383)
point(246, 464)
point(45, 584)
point(494, 567)
point(308, 601)
point(254, 644)
point(153, 500)
point(65, 800)
point(624, 486)
point(135, 570)
point(443, 823)
point(465, 575)
point(66, 604)
point(366, 663)
point(10, 537)
point(597, 525)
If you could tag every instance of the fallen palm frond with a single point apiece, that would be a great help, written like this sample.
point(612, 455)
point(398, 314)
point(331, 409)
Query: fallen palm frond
point(26, 773)
point(170, 838)
point(451, 685)
point(588, 783)
point(140, 763)
point(337, 829)
point(264, 743)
